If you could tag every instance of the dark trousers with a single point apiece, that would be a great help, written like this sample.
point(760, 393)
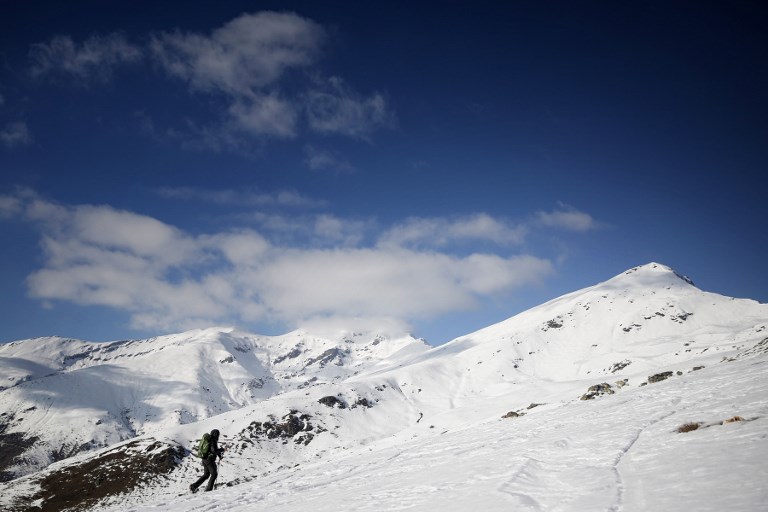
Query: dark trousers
point(210, 471)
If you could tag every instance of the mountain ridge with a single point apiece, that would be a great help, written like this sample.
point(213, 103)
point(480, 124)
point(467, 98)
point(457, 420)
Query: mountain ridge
point(140, 386)
point(318, 397)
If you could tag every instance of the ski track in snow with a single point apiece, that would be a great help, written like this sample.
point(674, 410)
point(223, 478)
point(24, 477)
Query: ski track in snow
point(617, 506)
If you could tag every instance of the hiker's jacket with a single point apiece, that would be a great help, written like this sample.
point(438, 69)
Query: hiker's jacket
point(214, 449)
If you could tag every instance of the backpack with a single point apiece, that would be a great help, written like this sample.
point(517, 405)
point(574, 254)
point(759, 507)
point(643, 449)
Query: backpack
point(204, 448)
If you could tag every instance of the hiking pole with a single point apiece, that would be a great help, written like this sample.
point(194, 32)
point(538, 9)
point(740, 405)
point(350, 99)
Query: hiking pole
point(221, 460)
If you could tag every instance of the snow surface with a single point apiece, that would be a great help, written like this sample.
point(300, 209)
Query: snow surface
point(76, 395)
point(618, 453)
point(434, 436)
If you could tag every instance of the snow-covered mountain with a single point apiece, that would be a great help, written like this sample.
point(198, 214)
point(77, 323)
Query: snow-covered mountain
point(64, 396)
point(572, 405)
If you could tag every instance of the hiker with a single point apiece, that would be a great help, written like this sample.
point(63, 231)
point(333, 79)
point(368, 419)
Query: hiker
point(208, 450)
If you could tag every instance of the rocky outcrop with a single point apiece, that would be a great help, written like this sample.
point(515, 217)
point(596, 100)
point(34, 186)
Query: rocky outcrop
point(659, 377)
point(333, 402)
point(293, 426)
point(362, 402)
point(617, 367)
point(597, 390)
point(12, 445)
point(80, 485)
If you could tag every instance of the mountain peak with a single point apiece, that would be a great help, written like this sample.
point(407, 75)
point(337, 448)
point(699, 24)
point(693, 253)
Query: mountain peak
point(652, 274)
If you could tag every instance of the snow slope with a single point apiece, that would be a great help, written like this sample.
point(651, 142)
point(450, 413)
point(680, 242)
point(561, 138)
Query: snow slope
point(416, 429)
point(617, 453)
point(75, 396)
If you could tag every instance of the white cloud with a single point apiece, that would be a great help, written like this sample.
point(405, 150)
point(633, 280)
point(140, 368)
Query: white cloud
point(168, 279)
point(125, 231)
point(15, 135)
point(344, 232)
point(439, 232)
point(391, 283)
point(333, 107)
point(487, 274)
point(94, 59)
point(244, 61)
point(242, 57)
point(567, 218)
point(241, 249)
point(336, 325)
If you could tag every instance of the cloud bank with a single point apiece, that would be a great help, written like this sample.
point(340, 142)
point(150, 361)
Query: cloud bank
point(168, 279)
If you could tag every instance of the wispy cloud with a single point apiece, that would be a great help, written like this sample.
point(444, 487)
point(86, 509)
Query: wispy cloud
point(244, 62)
point(242, 198)
point(93, 60)
point(440, 232)
point(166, 278)
point(266, 114)
point(244, 56)
point(326, 160)
point(263, 67)
point(321, 230)
point(10, 206)
point(335, 108)
point(15, 135)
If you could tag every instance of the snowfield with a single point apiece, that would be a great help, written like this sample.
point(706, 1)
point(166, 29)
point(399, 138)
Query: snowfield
point(639, 393)
point(622, 452)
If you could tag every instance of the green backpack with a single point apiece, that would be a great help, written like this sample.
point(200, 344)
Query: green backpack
point(204, 448)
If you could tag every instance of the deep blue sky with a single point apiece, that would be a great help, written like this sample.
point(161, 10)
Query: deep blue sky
point(432, 166)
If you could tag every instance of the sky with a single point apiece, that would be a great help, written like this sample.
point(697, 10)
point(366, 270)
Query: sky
point(430, 167)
